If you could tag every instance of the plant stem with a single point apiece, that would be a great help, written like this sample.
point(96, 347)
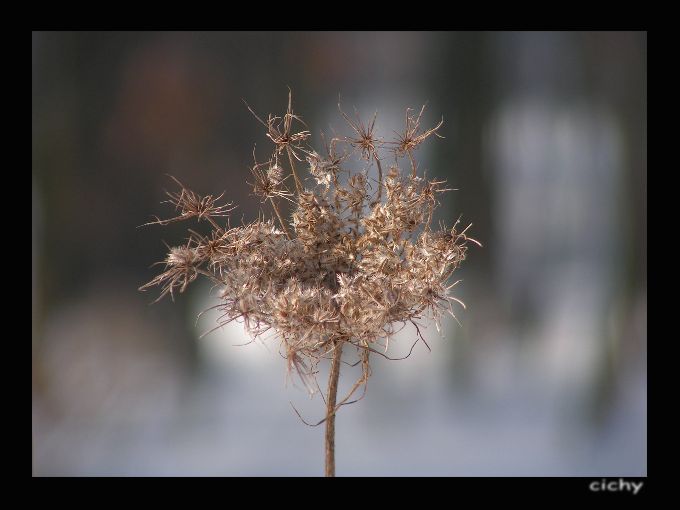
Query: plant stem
point(377, 160)
point(413, 165)
point(298, 184)
point(214, 224)
point(278, 215)
point(330, 409)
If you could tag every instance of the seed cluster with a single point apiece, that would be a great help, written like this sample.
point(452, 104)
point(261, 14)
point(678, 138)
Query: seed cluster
point(358, 259)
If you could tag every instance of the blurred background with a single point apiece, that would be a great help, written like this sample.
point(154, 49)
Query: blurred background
point(546, 143)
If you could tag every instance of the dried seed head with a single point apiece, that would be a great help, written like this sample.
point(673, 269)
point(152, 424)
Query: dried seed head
point(364, 139)
point(181, 269)
point(354, 267)
point(410, 139)
point(192, 205)
point(280, 129)
point(268, 181)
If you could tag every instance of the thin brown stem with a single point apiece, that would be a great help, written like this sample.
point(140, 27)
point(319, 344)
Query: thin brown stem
point(298, 184)
point(377, 160)
point(214, 224)
point(330, 409)
point(413, 164)
point(278, 215)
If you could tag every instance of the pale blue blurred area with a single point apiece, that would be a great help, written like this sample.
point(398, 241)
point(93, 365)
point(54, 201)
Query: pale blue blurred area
point(546, 144)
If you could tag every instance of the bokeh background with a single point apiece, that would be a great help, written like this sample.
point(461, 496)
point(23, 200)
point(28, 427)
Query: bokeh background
point(546, 142)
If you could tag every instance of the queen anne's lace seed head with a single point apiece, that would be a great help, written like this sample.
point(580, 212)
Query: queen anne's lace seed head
point(358, 261)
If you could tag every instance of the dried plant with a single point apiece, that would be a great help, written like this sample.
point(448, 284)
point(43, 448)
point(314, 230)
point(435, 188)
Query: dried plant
point(356, 263)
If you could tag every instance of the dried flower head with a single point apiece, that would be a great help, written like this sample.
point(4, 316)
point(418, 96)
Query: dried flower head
point(364, 139)
point(192, 205)
point(268, 181)
point(280, 132)
point(410, 139)
point(355, 263)
point(180, 270)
